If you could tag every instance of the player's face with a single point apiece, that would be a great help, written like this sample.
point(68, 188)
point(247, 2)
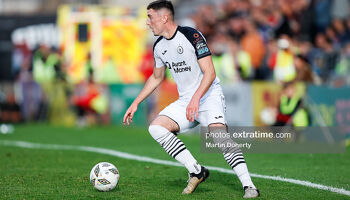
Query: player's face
point(154, 21)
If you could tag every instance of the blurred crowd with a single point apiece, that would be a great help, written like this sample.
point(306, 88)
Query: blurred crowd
point(283, 40)
point(286, 41)
point(42, 91)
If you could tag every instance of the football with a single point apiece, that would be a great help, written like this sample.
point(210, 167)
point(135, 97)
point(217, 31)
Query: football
point(104, 176)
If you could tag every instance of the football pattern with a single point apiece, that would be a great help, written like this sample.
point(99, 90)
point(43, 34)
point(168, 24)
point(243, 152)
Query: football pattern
point(104, 176)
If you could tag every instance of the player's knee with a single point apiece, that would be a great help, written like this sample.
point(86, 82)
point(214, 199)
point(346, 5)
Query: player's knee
point(217, 127)
point(157, 131)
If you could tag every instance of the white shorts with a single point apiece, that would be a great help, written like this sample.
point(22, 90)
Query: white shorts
point(211, 110)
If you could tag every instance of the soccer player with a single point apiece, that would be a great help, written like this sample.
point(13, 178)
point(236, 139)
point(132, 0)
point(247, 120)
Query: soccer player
point(184, 51)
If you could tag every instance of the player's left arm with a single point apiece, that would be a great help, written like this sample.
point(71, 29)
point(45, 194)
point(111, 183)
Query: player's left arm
point(207, 67)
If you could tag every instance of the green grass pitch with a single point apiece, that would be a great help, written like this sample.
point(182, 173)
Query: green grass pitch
point(64, 174)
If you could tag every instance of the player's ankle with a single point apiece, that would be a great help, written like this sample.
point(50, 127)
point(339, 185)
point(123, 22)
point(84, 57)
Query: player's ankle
point(249, 186)
point(193, 167)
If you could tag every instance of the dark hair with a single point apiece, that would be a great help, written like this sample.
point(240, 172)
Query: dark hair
point(159, 4)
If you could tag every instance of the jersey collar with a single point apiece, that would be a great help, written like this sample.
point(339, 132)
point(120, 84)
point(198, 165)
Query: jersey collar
point(174, 34)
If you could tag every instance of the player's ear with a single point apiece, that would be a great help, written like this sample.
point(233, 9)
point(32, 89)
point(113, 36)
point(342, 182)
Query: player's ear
point(164, 19)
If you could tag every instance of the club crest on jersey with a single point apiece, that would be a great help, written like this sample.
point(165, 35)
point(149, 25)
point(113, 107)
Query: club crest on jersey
point(180, 50)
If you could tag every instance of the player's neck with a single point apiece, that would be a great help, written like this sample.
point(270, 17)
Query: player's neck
point(170, 30)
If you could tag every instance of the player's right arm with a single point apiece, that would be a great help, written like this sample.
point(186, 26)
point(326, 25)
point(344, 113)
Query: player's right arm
point(151, 84)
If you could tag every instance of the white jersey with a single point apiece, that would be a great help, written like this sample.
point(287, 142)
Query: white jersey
point(180, 54)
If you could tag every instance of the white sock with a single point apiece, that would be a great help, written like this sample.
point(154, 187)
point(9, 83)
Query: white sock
point(237, 162)
point(186, 158)
point(242, 172)
point(174, 147)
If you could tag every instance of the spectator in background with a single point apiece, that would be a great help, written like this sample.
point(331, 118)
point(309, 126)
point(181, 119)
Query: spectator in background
point(322, 12)
point(282, 62)
point(291, 111)
point(281, 15)
point(31, 97)
point(324, 57)
point(90, 102)
point(304, 17)
point(263, 23)
point(332, 36)
point(45, 64)
point(253, 44)
point(231, 63)
point(236, 26)
point(342, 33)
point(223, 59)
point(303, 70)
point(207, 19)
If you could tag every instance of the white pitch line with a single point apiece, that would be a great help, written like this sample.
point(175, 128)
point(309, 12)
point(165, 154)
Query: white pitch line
point(129, 156)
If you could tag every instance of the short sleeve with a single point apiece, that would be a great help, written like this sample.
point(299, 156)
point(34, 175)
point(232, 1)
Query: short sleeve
point(157, 61)
point(197, 40)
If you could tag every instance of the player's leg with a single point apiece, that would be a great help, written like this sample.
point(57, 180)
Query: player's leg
point(172, 120)
point(162, 130)
point(234, 157)
point(212, 114)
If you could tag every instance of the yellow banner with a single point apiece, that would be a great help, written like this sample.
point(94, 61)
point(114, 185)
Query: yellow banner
point(110, 41)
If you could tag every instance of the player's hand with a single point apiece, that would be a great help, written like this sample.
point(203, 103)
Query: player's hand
point(129, 114)
point(192, 109)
